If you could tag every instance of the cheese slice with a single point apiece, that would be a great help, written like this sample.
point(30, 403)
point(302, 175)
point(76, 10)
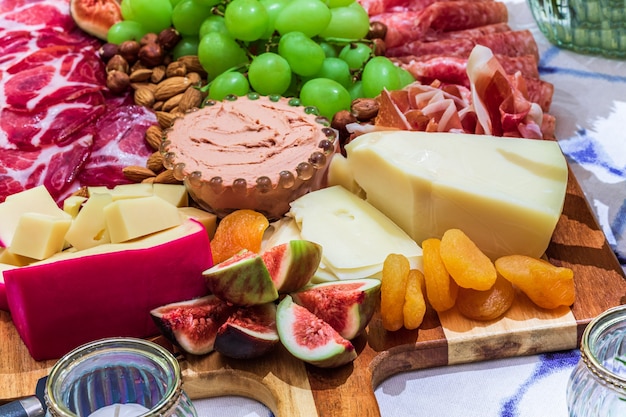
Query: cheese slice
point(506, 194)
point(355, 236)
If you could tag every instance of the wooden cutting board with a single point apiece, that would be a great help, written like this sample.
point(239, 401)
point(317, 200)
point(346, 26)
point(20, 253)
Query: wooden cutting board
point(291, 388)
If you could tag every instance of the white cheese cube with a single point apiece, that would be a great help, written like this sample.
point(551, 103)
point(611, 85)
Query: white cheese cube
point(89, 227)
point(506, 194)
point(128, 219)
point(72, 204)
point(174, 193)
point(39, 236)
point(208, 220)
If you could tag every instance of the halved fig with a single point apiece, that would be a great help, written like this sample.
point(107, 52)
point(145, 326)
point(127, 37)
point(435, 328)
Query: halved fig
point(96, 16)
point(347, 306)
point(248, 333)
point(192, 325)
point(243, 280)
point(311, 339)
point(292, 264)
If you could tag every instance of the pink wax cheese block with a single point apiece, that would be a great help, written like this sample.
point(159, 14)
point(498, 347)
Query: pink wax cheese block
point(108, 290)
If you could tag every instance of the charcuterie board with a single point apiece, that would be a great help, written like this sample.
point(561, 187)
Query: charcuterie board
point(291, 388)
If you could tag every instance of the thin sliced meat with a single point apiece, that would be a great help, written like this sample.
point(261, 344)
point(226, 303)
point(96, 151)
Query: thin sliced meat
point(375, 7)
point(468, 33)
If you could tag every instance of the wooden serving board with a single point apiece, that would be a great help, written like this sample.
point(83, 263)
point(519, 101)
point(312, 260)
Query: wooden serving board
point(291, 388)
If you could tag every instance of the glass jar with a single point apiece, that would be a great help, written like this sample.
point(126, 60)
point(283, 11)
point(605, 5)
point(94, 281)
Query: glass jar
point(117, 377)
point(597, 385)
point(588, 26)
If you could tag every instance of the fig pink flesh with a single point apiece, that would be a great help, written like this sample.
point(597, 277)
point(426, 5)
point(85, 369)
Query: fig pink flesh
point(331, 304)
point(60, 305)
point(312, 331)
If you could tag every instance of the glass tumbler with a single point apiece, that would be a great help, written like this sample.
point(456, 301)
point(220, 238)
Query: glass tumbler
point(595, 27)
point(597, 385)
point(122, 377)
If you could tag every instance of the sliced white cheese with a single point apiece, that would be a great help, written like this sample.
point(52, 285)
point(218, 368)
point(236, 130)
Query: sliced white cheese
point(131, 218)
point(173, 193)
point(33, 200)
point(39, 236)
point(89, 227)
point(355, 236)
point(506, 194)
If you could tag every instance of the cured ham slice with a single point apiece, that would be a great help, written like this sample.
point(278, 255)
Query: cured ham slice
point(56, 116)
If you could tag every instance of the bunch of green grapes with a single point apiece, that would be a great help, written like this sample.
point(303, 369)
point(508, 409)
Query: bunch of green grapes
point(316, 50)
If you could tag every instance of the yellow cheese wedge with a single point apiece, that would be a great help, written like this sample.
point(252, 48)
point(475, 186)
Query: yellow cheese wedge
point(355, 236)
point(39, 236)
point(208, 220)
point(128, 219)
point(174, 193)
point(89, 227)
point(506, 194)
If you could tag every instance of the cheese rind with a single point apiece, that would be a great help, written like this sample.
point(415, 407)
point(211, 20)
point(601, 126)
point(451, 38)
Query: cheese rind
point(506, 194)
point(355, 236)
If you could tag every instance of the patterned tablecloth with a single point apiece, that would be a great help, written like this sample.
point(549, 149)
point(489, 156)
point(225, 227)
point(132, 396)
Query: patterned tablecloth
point(590, 107)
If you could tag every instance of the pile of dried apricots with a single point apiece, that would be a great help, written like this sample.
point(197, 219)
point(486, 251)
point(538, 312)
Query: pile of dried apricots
point(457, 272)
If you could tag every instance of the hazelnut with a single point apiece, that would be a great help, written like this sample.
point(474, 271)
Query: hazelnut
point(107, 51)
point(339, 122)
point(378, 30)
point(117, 63)
point(168, 38)
point(148, 38)
point(151, 55)
point(379, 47)
point(118, 81)
point(129, 50)
point(365, 109)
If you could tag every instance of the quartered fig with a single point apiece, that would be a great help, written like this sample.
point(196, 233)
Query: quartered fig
point(243, 280)
point(311, 339)
point(292, 264)
point(192, 325)
point(96, 17)
point(347, 306)
point(248, 333)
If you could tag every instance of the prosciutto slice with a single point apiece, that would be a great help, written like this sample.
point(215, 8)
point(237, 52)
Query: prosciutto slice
point(52, 85)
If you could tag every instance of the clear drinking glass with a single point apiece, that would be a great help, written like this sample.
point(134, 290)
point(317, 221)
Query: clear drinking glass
point(117, 377)
point(597, 385)
point(588, 26)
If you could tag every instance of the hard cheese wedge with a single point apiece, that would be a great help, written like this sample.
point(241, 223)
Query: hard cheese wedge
point(506, 194)
point(355, 236)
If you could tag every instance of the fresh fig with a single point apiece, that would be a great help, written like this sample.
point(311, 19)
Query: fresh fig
point(96, 17)
point(310, 338)
point(248, 333)
point(292, 264)
point(243, 280)
point(347, 306)
point(192, 325)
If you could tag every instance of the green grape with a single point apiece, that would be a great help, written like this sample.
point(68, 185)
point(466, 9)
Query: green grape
point(405, 76)
point(188, 16)
point(356, 90)
point(218, 52)
point(124, 31)
point(329, 49)
point(246, 20)
point(347, 22)
point(213, 23)
point(125, 9)
point(207, 3)
point(338, 3)
point(307, 16)
point(304, 55)
point(269, 73)
point(174, 3)
point(327, 95)
point(273, 7)
point(379, 73)
point(355, 54)
point(153, 15)
point(336, 69)
point(229, 82)
point(188, 45)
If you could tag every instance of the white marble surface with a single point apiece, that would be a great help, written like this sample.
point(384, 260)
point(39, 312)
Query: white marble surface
point(590, 107)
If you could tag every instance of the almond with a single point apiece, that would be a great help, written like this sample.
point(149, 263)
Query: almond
point(192, 63)
point(176, 69)
point(192, 98)
point(158, 73)
point(144, 97)
point(166, 119)
point(158, 105)
point(172, 102)
point(136, 86)
point(166, 177)
point(155, 162)
point(194, 78)
point(140, 75)
point(169, 87)
point(154, 137)
point(136, 173)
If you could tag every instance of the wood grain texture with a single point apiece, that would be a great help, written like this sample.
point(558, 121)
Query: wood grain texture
point(290, 388)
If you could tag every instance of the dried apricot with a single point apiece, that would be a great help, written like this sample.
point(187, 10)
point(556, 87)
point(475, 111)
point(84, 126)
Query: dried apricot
point(549, 286)
point(414, 303)
point(392, 289)
point(441, 290)
point(465, 262)
point(241, 229)
point(486, 305)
